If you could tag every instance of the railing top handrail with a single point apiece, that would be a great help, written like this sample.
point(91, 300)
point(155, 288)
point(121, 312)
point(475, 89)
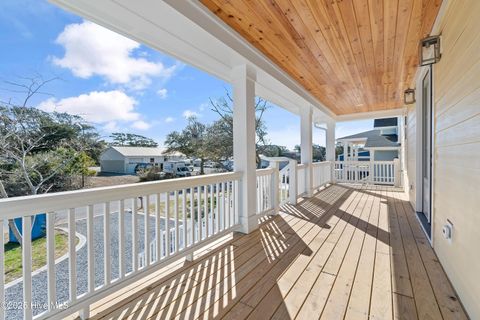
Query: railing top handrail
point(365, 162)
point(321, 163)
point(30, 205)
point(301, 166)
point(264, 171)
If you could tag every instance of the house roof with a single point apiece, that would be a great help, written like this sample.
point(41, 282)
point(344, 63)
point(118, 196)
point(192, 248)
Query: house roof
point(374, 139)
point(385, 122)
point(143, 151)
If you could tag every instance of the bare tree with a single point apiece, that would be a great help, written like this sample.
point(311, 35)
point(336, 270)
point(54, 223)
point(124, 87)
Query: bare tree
point(25, 138)
point(224, 108)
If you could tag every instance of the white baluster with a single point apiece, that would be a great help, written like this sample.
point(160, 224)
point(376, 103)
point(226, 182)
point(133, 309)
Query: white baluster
point(51, 294)
point(2, 274)
point(146, 230)
point(27, 266)
point(121, 239)
point(158, 226)
point(72, 256)
point(106, 245)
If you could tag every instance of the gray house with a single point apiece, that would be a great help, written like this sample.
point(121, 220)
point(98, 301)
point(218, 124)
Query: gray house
point(125, 159)
point(382, 142)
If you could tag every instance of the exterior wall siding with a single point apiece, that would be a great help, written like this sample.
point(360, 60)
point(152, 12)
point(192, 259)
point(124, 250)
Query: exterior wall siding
point(457, 150)
point(385, 155)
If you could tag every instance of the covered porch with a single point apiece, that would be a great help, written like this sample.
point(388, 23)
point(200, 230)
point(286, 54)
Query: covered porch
point(349, 252)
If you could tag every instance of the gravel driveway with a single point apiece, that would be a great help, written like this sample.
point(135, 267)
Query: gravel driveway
point(14, 294)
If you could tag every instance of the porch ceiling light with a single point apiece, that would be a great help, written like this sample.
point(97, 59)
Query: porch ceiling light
point(409, 96)
point(430, 50)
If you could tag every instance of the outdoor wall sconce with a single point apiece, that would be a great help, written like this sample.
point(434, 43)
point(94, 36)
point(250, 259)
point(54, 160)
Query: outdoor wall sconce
point(430, 50)
point(409, 96)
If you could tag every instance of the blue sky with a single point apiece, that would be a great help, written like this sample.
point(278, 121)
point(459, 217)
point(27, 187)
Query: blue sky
point(113, 82)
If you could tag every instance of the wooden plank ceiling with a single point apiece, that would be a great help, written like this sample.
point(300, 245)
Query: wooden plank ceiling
point(352, 55)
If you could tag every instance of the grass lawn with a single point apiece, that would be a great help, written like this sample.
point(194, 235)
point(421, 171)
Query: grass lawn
point(13, 254)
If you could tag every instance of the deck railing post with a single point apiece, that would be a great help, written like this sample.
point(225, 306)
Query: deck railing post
point(244, 153)
point(396, 170)
point(275, 187)
point(84, 313)
point(306, 141)
point(292, 182)
point(371, 174)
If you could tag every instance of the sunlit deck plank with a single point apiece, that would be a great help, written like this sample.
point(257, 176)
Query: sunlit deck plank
point(381, 300)
point(348, 251)
point(359, 300)
point(313, 260)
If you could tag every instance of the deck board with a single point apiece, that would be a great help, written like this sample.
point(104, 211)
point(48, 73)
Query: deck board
point(349, 252)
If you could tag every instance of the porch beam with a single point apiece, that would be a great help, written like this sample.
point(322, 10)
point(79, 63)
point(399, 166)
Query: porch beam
point(244, 150)
point(306, 147)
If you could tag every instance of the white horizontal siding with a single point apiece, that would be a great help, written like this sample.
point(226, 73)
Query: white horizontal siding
point(457, 150)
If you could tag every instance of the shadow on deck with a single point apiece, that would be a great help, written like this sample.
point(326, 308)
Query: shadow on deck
point(349, 252)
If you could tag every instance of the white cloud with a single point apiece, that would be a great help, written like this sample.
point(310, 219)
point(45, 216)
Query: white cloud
point(162, 93)
point(189, 113)
point(169, 119)
point(141, 125)
point(97, 107)
point(93, 50)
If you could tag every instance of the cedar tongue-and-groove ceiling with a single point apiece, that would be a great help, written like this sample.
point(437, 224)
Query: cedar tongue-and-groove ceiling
point(352, 55)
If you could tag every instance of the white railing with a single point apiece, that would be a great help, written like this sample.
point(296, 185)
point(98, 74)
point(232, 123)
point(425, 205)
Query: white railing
point(322, 173)
point(375, 172)
point(129, 231)
point(294, 177)
point(301, 179)
point(126, 231)
point(284, 183)
point(265, 191)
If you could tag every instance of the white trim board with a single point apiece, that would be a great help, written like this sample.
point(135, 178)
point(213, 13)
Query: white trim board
point(419, 149)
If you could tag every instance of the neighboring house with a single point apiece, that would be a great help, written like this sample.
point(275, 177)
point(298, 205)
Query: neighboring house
point(125, 159)
point(381, 142)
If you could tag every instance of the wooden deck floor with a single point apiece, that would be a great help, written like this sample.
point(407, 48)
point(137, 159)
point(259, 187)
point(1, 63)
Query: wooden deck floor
point(347, 253)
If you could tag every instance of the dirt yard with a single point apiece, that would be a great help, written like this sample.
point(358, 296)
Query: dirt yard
point(110, 180)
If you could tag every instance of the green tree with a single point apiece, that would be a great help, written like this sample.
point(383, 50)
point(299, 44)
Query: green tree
point(192, 141)
point(273, 150)
point(338, 150)
point(37, 150)
point(132, 140)
point(318, 152)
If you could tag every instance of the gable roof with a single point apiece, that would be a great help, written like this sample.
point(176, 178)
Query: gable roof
point(139, 151)
point(385, 122)
point(374, 139)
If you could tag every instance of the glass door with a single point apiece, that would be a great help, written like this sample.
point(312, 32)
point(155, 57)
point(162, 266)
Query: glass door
point(427, 144)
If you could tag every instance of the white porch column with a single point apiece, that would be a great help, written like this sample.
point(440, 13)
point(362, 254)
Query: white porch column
point(243, 83)
point(306, 148)
point(330, 142)
point(330, 148)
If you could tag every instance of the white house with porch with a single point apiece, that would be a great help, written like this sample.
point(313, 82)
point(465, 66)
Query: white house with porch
point(372, 156)
point(382, 143)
